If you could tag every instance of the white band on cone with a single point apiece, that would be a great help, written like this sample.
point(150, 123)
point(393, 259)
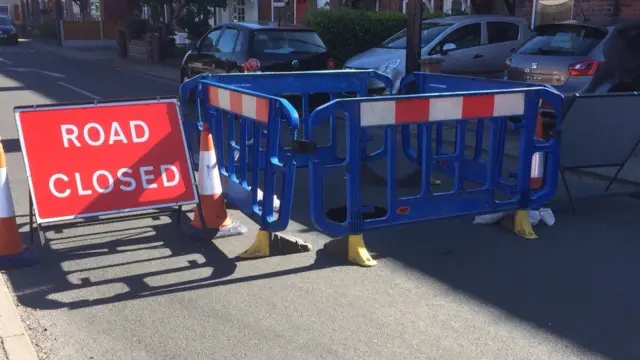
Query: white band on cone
point(6, 201)
point(208, 174)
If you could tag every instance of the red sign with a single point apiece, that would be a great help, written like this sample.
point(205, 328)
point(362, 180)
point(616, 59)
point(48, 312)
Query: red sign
point(97, 159)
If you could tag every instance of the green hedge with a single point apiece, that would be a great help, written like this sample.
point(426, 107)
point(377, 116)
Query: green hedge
point(348, 32)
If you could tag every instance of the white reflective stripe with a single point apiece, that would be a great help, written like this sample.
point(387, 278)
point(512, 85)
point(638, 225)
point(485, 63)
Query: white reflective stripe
point(537, 165)
point(445, 108)
point(208, 174)
point(508, 104)
point(249, 106)
point(224, 99)
point(374, 113)
point(6, 201)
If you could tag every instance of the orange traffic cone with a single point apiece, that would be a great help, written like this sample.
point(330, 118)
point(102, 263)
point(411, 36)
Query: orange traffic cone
point(12, 252)
point(537, 163)
point(214, 211)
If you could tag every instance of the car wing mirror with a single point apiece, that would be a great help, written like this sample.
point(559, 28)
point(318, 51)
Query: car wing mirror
point(448, 47)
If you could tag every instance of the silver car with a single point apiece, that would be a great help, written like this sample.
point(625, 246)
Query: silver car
point(475, 45)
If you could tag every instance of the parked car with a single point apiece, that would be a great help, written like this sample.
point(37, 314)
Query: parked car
point(8, 34)
point(592, 56)
point(251, 47)
point(475, 45)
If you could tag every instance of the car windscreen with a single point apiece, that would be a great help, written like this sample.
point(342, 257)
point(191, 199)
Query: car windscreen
point(563, 40)
point(429, 32)
point(287, 42)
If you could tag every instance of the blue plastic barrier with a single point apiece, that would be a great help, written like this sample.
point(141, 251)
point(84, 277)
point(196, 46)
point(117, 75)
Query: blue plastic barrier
point(307, 85)
point(427, 83)
point(389, 114)
point(236, 117)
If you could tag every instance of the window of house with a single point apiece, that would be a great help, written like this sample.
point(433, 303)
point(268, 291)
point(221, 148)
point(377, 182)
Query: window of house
point(228, 40)
point(499, 31)
point(239, 10)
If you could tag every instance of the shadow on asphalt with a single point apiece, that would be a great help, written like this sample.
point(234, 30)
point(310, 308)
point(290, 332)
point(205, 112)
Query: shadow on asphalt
point(579, 281)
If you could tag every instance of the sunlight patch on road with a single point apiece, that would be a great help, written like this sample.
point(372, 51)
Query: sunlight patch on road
point(89, 293)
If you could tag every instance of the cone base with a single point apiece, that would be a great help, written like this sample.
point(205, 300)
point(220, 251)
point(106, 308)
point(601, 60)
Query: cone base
point(28, 257)
point(234, 229)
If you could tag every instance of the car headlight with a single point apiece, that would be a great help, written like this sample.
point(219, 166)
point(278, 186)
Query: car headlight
point(389, 67)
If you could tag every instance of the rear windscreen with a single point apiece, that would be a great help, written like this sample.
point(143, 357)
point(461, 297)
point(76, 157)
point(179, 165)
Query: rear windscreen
point(287, 42)
point(563, 40)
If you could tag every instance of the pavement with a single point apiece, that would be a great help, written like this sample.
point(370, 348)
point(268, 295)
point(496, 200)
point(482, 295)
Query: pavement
point(446, 289)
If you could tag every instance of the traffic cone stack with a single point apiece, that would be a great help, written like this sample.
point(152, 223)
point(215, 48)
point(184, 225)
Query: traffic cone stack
point(13, 253)
point(214, 211)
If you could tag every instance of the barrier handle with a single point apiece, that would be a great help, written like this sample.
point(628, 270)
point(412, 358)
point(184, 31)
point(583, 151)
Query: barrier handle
point(405, 82)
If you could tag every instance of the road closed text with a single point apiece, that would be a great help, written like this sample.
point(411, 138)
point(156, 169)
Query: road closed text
point(94, 159)
point(105, 182)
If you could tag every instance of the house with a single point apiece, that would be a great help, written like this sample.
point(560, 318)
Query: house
point(293, 11)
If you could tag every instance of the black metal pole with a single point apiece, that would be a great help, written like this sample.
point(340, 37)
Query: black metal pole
point(58, 10)
point(414, 25)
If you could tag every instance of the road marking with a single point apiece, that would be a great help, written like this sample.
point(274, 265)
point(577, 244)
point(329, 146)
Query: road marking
point(40, 71)
point(5, 61)
point(80, 91)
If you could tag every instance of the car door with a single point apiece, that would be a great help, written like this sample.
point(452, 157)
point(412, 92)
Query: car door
point(203, 59)
point(225, 59)
point(502, 41)
point(467, 58)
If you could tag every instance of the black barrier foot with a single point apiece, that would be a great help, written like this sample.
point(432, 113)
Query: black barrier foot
point(520, 224)
point(353, 248)
point(414, 180)
point(28, 257)
point(267, 244)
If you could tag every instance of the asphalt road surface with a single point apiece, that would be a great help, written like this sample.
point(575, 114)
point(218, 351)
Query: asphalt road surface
point(139, 289)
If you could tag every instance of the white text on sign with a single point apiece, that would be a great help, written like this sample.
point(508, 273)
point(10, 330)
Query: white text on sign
point(102, 181)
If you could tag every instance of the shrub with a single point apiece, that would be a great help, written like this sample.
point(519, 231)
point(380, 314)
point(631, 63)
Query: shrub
point(348, 32)
point(47, 28)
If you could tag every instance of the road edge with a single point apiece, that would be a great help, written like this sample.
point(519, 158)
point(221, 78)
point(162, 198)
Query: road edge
point(14, 340)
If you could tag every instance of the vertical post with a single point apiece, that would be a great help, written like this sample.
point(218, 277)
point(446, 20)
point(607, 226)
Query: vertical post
point(414, 17)
point(533, 14)
point(58, 10)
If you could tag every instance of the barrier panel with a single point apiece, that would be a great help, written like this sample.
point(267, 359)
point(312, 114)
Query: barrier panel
point(391, 113)
point(549, 101)
point(601, 131)
point(306, 89)
point(250, 163)
point(110, 157)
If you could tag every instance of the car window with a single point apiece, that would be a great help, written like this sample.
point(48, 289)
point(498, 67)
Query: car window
point(242, 39)
point(563, 40)
point(5, 22)
point(227, 40)
point(430, 31)
point(210, 40)
point(499, 31)
point(287, 42)
point(464, 37)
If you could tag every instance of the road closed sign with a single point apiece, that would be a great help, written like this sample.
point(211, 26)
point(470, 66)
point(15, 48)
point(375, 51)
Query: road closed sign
point(105, 158)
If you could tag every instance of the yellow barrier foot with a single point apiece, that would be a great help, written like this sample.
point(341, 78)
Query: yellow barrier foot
point(521, 225)
point(267, 244)
point(353, 248)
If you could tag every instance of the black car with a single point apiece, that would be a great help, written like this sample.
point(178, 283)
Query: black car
point(8, 32)
point(256, 47)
